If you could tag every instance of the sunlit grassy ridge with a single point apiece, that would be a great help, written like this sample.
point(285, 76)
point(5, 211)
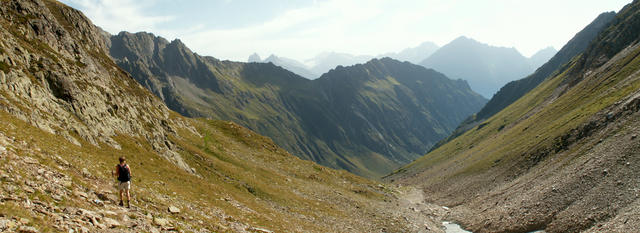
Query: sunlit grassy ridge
point(239, 173)
point(534, 122)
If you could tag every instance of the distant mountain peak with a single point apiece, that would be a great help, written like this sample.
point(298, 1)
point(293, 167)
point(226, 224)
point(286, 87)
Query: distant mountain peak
point(464, 39)
point(486, 67)
point(254, 58)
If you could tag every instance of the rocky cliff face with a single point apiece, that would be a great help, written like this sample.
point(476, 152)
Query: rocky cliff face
point(563, 158)
point(57, 76)
point(367, 119)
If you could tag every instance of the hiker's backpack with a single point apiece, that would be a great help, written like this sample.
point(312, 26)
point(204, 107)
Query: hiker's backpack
point(123, 173)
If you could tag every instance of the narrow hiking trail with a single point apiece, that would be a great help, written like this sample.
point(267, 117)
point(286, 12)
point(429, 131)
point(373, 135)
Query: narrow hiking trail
point(28, 185)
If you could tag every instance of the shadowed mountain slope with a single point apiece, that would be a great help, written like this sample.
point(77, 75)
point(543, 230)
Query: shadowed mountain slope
point(367, 119)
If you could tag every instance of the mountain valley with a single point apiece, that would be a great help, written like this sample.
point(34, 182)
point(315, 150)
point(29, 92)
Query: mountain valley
point(563, 158)
point(68, 112)
point(353, 144)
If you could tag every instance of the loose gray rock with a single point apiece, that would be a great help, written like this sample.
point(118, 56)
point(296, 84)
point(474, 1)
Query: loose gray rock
point(262, 230)
point(27, 229)
point(6, 224)
point(86, 172)
point(160, 222)
point(80, 194)
point(174, 210)
point(111, 223)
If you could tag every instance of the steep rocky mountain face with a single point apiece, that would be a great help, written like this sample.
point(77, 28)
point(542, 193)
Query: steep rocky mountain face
point(414, 55)
point(485, 67)
point(563, 158)
point(57, 76)
point(513, 90)
point(367, 119)
point(68, 112)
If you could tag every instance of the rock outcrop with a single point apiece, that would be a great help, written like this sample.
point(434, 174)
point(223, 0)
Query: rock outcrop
point(57, 75)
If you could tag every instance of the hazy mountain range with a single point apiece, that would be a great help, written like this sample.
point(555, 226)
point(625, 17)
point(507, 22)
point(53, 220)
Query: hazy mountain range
point(414, 55)
point(485, 67)
point(322, 63)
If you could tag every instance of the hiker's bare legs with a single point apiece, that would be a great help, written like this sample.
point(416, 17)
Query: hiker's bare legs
point(121, 195)
point(128, 197)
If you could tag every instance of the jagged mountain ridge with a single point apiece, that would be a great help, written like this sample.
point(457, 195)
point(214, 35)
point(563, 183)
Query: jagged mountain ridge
point(563, 158)
point(342, 126)
point(44, 81)
point(485, 67)
point(68, 112)
point(324, 62)
point(513, 90)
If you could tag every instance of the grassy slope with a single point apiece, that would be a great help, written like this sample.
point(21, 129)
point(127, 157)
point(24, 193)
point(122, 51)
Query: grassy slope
point(532, 123)
point(530, 146)
point(273, 189)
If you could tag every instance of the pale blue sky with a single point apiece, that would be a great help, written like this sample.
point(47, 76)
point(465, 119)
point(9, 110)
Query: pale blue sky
point(300, 29)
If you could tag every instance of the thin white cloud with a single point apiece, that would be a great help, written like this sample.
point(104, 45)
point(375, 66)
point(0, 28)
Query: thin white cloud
point(363, 27)
point(121, 15)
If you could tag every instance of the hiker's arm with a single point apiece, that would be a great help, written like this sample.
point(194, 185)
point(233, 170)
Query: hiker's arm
point(115, 172)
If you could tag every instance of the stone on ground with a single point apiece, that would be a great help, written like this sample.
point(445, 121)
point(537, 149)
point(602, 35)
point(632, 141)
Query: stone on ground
point(174, 210)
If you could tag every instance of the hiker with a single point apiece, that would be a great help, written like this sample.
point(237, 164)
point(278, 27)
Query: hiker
point(123, 173)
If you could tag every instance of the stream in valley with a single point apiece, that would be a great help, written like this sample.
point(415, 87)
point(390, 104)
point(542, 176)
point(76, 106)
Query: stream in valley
point(450, 227)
